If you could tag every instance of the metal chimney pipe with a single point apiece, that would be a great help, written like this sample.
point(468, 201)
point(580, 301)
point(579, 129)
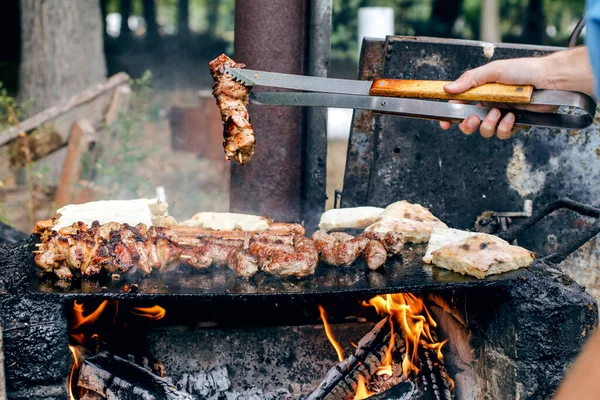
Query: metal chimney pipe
point(315, 171)
point(271, 35)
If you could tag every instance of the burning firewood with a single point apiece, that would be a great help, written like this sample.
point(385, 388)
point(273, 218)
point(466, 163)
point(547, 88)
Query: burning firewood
point(113, 377)
point(343, 380)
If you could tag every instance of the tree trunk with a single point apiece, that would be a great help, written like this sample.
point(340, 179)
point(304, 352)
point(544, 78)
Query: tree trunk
point(62, 50)
point(183, 17)
point(490, 21)
point(150, 18)
point(125, 8)
point(212, 15)
point(535, 23)
point(443, 17)
point(103, 13)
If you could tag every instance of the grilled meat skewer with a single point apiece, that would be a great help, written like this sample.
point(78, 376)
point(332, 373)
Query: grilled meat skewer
point(119, 248)
point(232, 99)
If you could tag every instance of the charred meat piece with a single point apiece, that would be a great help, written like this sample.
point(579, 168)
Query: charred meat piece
point(375, 254)
point(302, 262)
point(277, 256)
point(339, 248)
point(393, 241)
point(232, 99)
point(116, 248)
point(243, 263)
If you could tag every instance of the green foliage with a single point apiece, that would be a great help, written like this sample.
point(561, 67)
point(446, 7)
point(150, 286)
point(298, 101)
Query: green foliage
point(11, 110)
point(122, 149)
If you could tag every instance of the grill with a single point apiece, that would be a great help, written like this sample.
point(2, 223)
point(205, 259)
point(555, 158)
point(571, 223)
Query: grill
point(510, 335)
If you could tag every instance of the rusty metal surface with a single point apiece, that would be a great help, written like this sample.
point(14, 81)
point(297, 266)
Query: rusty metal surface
point(361, 141)
point(459, 176)
point(315, 170)
point(271, 35)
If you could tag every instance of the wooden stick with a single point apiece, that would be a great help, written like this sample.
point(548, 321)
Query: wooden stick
point(120, 102)
point(53, 112)
point(82, 136)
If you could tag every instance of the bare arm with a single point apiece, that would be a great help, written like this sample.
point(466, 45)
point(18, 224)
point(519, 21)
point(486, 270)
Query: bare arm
point(583, 378)
point(564, 70)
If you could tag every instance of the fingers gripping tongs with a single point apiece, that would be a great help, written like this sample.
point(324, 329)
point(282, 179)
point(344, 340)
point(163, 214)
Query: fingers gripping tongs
point(404, 98)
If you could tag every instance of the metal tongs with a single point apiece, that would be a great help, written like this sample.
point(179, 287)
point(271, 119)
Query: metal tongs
point(404, 98)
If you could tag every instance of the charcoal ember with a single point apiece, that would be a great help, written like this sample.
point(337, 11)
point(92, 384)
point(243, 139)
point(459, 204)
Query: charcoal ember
point(91, 396)
point(383, 382)
point(278, 394)
point(205, 383)
point(402, 391)
point(252, 393)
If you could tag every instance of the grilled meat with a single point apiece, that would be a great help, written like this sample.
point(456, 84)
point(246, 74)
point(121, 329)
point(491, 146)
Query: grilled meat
point(232, 99)
point(375, 254)
point(120, 248)
point(339, 248)
point(392, 240)
point(302, 262)
point(243, 263)
point(116, 248)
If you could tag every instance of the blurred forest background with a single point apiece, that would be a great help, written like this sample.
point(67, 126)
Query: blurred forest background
point(53, 50)
point(174, 38)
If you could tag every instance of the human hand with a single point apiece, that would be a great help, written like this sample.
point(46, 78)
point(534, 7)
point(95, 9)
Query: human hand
point(520, 71)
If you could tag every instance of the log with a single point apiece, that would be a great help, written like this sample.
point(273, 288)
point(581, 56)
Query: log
point(54, 112)
point(119, 103)
point(83, 138)
point(342, 380)
point(113, 377)
point(49, 130)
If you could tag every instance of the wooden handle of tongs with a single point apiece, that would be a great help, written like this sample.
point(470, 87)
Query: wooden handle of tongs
point(490, 92)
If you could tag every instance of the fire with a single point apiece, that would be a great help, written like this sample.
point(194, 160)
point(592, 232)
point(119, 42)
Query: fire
point(153, 313)
point(80, 320)
point(334, 343)
point(415, 322)
point(361, 390)
point(386, 364)
point(73, 368)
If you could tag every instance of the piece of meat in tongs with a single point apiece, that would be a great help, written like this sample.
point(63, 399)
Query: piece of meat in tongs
point(232, 99)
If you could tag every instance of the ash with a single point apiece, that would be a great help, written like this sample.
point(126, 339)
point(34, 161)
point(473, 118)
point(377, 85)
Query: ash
point(215, 385)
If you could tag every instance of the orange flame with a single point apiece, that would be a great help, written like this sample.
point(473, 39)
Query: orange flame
point(386, 364)
point(73, 368)
point(80, 320)
point(336, 345)
point(415, 321)
point(153, 313)
point(361, 390)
